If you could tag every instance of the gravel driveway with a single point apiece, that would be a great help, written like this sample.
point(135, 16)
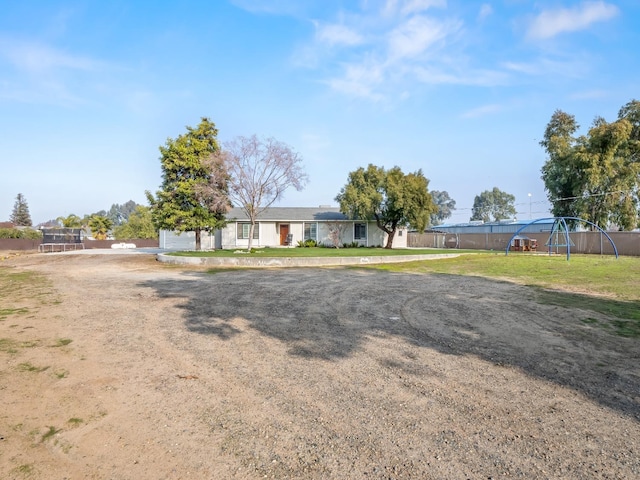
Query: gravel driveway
point(148, 371)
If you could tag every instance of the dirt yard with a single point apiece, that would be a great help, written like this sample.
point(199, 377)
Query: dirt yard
point(122, 368)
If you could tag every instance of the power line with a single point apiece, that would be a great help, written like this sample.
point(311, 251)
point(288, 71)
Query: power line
point(590, 195)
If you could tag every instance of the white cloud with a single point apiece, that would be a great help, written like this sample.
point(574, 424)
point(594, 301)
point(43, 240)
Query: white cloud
point(416, 6)
point(271, 7)
point(573, 68)
point(523, 67)
point(34, 57)
point(550, 23)
point(385, 49)
point(38, 73)
point(409, 7)
point(416, 35)
point(338, 35)
point(485, 10)
point(439, 76)
point(360, 81)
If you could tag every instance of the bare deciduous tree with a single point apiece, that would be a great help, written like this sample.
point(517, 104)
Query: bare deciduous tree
point(260, 171)
point(336, 230)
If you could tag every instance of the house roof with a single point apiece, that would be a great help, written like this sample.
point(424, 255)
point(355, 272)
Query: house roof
point(291, 214)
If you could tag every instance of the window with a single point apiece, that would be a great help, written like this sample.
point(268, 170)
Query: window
point(311, 231)
point(359, 231)
point(399, 233)
point(243, 231)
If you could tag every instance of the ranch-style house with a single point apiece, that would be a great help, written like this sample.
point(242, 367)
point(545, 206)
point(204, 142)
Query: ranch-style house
point(285, 226)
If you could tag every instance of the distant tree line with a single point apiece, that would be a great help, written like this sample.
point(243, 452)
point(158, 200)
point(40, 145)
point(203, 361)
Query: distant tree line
point(126, 221)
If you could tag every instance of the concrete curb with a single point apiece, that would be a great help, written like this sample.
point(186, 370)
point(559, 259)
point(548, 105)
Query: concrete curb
point(295, 261)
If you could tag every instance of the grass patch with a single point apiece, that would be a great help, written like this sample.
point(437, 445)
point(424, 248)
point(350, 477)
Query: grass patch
point(6, 312)
point(601, 284)
point(625, 320)
point(62, 342)
point(18, 287)
point(25, 470)
point(62, 374)
point(8, 346)
point(29, 367)
point(49, 433)
point(584, 273)
point(75, 421)
point(319, 252)
point(21, 284)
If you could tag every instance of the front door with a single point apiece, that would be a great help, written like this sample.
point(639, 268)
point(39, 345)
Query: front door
point(284, 231)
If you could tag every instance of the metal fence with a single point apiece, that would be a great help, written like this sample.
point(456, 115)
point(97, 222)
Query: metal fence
point(61, 235)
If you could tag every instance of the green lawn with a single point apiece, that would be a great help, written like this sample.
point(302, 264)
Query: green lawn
point(319, 252)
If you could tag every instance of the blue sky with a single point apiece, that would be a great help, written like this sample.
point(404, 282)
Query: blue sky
point(461, 89)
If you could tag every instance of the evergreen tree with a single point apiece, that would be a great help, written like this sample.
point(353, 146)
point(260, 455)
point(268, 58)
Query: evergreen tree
point(20, 215)
point(194, 193)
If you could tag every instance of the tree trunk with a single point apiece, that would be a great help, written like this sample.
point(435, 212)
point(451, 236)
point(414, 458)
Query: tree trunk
point(389, 231)
point(252, 228)
point(390, 236)
point(198, 244)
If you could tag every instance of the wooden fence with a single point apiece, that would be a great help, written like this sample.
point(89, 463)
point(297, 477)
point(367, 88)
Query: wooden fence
point(25, 244)
point(627, 243)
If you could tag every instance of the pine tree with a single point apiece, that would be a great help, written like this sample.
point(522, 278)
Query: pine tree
point(20, 215)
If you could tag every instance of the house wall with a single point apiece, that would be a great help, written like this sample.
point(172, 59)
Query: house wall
point(269, 236)
point(400, 239)
point(346, 234)
point(325, 228)
point(375, 236)
point(297, 230)
point(185, 241)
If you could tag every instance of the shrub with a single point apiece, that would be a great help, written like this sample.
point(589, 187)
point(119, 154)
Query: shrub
point(31, 233)
point(309, 243)
point(20, 233)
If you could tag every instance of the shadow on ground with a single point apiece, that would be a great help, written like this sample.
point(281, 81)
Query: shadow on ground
point(331, 313)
